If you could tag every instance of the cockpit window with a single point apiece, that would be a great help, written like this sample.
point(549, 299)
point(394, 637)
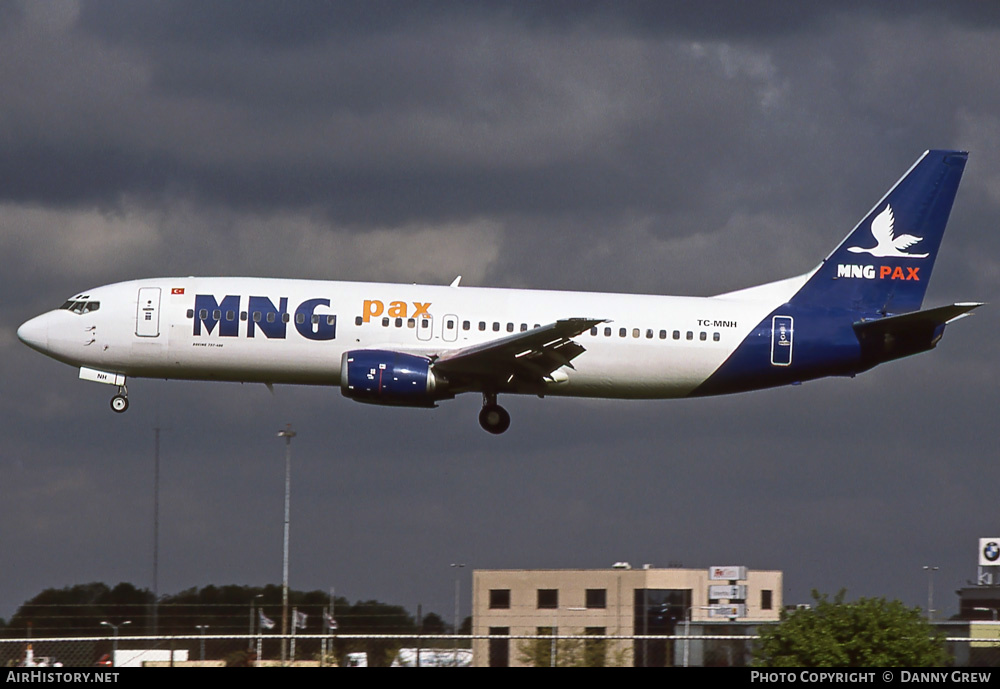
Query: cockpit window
point(81, 307)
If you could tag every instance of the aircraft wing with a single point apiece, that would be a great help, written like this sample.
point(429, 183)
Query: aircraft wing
point(529, 357)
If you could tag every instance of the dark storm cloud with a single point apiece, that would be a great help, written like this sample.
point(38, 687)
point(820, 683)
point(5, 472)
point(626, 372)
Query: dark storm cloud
point(618, 147)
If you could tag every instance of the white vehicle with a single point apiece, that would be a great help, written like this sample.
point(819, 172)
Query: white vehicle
point(415, 345)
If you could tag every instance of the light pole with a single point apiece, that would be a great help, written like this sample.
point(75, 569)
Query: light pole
point(201, 628)
point(930, 591)
point(253, 605)
point(114, 642)
point(287, 434)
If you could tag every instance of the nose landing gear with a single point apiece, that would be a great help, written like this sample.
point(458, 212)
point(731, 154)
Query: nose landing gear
point(119, 403)
point(493, 418)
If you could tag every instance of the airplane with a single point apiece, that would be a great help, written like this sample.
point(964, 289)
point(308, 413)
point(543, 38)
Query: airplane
point(416, 345)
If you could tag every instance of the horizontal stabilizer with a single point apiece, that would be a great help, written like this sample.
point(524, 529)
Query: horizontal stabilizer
point(893, 337)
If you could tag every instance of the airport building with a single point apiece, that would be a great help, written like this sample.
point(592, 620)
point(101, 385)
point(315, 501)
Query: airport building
point(590, 604)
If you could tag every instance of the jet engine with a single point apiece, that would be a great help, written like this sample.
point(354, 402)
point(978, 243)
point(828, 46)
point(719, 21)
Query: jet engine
point(378, 376)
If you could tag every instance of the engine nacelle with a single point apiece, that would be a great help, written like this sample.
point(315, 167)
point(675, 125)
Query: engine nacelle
point(383, 377)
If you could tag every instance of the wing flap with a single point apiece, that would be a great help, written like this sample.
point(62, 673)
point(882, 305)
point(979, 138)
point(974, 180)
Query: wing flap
point(529, 357)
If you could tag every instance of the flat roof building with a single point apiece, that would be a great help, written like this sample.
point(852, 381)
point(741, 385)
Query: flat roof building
point(618, 601)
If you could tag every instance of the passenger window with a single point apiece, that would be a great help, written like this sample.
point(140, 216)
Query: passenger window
point(190, 313)
point(677, 334)
point(496, 327)
point(216, 314)
point(715, 337)
point(243, 315)
point(607, 332)
point(411, 323)
point(331, 319)
point(285, 317)
point(270, 317)
point(510, 327)
point(703, 336)
point(524, 328)
point(385, 322)
point(690, 335)
point(399, 323)
point(593, 331)
point(482, 325)
point(300, 318)
point(635, 332)
point(663, 334)
point(358, 320)
point(203, 314)
point(466, 325)
point(450, 324)
point(621, 332)
point(315, 319)
point(649, 334)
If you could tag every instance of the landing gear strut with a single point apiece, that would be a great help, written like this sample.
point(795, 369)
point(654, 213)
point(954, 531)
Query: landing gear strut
point(119, 402)
point(493, 418)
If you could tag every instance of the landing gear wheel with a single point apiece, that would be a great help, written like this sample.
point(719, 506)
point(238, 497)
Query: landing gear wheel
point(494, 419)
point(119, 403)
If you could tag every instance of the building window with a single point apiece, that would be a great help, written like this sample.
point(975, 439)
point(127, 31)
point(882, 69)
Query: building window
point(499, 599)
point(597, 598)
point(766, 599)
point(548, 599)
point(595, 650)
point(499, 648)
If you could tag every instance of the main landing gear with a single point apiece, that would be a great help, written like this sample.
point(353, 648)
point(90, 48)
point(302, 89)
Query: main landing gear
point(119, 402)
point(493, 418)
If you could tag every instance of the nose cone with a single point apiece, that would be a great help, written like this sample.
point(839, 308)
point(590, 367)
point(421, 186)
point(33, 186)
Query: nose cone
point(35, 333)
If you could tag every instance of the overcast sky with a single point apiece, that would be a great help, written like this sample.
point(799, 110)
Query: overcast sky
point(664, 148)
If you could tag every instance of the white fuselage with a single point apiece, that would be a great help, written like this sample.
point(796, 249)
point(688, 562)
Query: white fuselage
point(649, 346)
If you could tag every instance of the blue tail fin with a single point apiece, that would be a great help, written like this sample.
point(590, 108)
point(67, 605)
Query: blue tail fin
point(885, 263)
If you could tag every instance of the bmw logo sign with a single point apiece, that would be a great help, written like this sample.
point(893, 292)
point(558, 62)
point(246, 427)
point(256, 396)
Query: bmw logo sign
point(991, 551)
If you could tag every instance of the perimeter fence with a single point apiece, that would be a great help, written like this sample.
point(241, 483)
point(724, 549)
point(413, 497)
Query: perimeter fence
point(409, 650)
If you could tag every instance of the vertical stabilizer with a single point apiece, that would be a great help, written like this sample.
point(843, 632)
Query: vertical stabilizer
point(885, 263)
